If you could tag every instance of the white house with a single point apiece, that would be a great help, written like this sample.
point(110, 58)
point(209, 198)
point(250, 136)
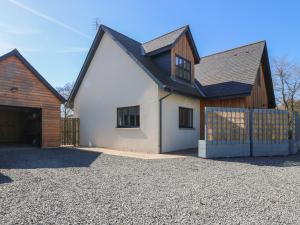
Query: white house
point(140, 97)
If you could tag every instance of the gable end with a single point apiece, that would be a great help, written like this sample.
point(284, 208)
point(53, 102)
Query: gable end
point(92, 52)
point(17, 54)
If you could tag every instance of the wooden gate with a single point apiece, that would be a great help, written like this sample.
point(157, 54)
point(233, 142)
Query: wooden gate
point(70, 131)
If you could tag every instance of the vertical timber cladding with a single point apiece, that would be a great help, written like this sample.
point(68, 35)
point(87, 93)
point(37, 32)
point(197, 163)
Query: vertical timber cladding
point(20, 87)
point(259, 97)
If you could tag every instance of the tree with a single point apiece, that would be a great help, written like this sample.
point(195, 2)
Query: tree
point(286, 78)
point(65, 91)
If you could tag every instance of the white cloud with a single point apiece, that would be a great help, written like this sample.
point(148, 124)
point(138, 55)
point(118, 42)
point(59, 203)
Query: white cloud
point(73, 50)
point(6, 46)
point(48, 18)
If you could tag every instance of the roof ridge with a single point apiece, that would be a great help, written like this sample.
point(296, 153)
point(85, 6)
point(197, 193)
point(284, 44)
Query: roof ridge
point(108, 28)
point(10, 53)
point(231, 49)
point(165, 34)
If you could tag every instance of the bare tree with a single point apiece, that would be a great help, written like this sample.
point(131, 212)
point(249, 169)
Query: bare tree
point(65, 91)
point(286, 78)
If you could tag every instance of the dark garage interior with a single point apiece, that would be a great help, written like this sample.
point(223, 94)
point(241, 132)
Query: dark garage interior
point(20, 126)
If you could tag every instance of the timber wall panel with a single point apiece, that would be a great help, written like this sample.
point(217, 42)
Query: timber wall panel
point(258, 97)
point(31, 93)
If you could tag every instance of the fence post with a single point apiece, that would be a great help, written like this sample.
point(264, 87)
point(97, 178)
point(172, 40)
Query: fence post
point(293, 126)
point(250, 134)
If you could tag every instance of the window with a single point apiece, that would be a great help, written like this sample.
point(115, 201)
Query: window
point(183, 69)
point(185, 117)
point(128, 117)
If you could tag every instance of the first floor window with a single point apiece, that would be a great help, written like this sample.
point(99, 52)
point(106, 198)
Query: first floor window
point(185, 117)
point(183, 69)
point(128, 117)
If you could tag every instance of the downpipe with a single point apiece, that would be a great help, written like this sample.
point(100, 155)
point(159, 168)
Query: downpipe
point(160, 119)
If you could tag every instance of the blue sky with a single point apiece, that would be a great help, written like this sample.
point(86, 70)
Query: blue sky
point(55, 35)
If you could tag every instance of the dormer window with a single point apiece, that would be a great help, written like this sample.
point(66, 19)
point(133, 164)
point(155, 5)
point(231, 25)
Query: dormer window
point(183, 69)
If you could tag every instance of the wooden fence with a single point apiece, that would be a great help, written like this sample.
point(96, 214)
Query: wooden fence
point(240, 125)
point(242, 132)
point(270, 126)
point(70, 131)
point(227, 125)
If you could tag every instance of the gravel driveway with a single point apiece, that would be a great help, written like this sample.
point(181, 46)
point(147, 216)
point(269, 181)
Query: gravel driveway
point(65, 186)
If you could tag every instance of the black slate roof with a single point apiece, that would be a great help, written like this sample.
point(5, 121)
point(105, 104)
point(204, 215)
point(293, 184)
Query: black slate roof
point(17, 54)
point(231, 72)
point(164, 40)
point(228, 73)
point(168, 41)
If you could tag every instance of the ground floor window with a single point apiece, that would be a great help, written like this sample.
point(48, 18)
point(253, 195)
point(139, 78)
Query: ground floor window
point(185, 117)
point(128, 117)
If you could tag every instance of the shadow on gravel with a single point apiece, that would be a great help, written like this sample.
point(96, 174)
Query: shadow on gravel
point(35, 158)
point(279, 161)
point(193, 152)
point(4, 179)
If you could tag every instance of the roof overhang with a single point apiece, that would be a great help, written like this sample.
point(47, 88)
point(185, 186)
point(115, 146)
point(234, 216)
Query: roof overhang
point(268, 78)
point(223, 97)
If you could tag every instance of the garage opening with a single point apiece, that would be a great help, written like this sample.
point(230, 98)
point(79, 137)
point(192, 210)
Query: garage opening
point(20, 126)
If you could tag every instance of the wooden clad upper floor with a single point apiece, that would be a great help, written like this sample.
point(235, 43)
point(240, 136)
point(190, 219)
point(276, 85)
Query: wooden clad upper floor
point(20, 87)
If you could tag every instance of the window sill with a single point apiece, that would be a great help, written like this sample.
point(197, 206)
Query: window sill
point(127, 128)
point(186, 128)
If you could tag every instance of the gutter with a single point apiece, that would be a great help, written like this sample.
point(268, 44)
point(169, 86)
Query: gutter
point(160, 118)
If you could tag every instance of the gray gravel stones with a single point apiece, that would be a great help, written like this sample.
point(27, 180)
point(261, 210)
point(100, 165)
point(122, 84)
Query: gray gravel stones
point(62, 186)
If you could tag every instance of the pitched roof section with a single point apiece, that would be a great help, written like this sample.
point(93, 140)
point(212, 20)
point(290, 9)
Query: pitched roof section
point(231, 72)
point(17, 54)
point(164, 40)
point(134, 49)
point(167, 41)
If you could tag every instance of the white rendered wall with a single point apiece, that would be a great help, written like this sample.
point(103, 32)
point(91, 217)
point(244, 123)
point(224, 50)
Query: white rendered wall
point(173, 137)
point(114, 80)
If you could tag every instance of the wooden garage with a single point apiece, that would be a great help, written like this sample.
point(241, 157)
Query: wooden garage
point(29, 105)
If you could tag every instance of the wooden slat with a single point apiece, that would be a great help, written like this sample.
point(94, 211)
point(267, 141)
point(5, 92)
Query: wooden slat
point(70, 131)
